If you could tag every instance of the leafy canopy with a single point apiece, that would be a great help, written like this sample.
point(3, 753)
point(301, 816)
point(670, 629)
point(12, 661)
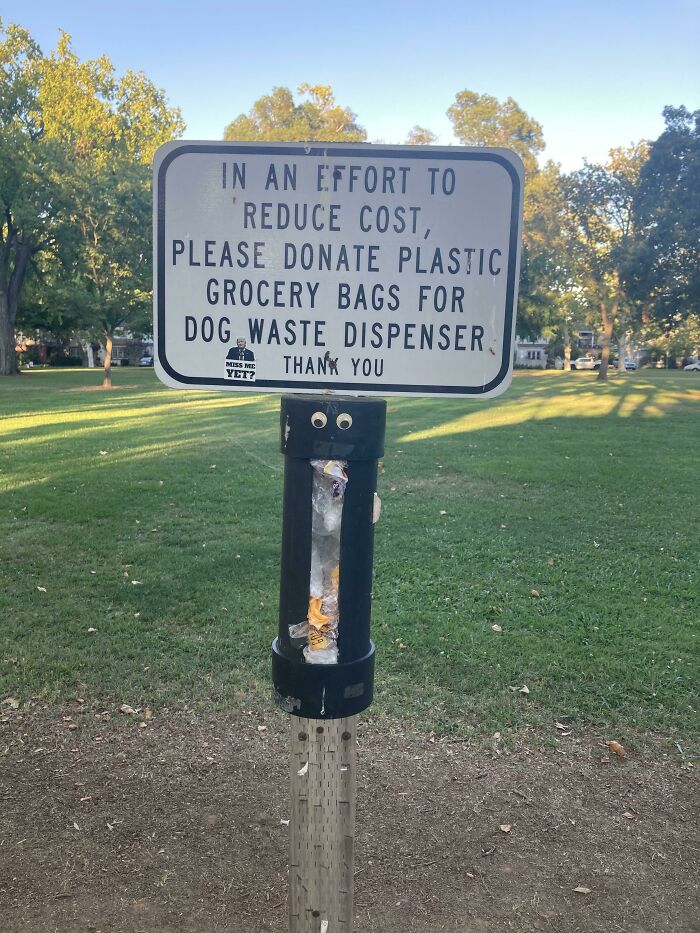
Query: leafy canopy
point(663, 268)
point(76, 143)
point(482, 120)
point(276, 117)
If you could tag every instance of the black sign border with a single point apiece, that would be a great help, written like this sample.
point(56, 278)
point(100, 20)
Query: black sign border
point(341, 152)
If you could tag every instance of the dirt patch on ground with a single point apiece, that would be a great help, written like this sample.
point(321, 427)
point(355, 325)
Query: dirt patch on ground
point(177, 826)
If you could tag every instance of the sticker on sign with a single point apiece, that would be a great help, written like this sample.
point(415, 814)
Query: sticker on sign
point(376, 270)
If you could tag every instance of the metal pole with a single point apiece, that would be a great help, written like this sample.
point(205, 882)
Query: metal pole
point(322, 824)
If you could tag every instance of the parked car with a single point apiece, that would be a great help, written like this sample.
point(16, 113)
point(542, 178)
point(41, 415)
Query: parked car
point(693, 367)
point(585, 362)
point(630, 363)
point(146, 361)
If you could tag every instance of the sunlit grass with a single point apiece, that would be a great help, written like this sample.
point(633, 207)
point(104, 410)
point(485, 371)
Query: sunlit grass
point(153, 516)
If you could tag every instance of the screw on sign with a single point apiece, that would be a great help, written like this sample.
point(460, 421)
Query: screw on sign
point(336, 273)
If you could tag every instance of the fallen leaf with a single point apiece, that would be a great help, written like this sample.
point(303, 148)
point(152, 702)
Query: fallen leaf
point(75, 826)
point(560, 725)
point(262, 728)
point(136, 583)
point(143, 725)
point(524, 689)
point(496, 627)
point(127, 710)
point(534, 592)
point(550, 562)
point(91, 630)
point(443, 512)
point(148, 714)
point(505, 827)
point(581, 890)
point(42, 589)
point(303, 770)
point(629, 816)
point(617, 748)
point(605, 760)
point(284, 822)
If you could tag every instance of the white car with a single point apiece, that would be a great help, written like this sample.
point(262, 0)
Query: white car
point(584, 362)
point(693, 367)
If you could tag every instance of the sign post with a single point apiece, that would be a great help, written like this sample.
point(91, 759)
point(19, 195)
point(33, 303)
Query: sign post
point(332, 272)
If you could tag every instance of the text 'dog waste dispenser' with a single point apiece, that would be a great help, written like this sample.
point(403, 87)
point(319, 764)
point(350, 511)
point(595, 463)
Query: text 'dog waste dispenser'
point(323, 657)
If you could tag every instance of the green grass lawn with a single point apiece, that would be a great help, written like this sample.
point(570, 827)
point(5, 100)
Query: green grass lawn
point(154, 517)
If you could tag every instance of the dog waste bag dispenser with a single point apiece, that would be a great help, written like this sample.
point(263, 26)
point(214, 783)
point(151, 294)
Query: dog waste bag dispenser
point(323, 658)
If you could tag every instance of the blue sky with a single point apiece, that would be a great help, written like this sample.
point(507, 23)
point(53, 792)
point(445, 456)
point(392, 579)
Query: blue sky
point(595, 74)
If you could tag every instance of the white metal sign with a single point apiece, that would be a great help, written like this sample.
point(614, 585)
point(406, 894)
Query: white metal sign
point(365, 269)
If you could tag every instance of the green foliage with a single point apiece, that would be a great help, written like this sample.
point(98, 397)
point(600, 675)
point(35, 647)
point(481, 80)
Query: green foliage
point(601, 233)
point(277, 118)
point(75, 147)
point(482, 120)
point(662, 271)
point(420, 136)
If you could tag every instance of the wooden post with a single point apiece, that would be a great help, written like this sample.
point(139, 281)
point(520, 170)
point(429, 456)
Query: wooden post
point(322, 824)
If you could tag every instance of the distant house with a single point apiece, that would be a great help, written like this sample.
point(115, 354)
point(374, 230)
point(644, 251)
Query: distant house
point(531, 353)
point(126, 351)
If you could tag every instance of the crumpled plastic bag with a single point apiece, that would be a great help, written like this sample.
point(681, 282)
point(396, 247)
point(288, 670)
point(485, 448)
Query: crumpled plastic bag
point(320, 629)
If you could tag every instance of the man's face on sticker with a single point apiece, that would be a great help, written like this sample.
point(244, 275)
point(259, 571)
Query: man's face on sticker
point(240, 343)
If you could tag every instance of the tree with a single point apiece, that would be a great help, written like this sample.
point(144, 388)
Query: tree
point(420, 136)
point(662, 271)
point(30, 171)
point(600, 235)
point(482, 120)
point(74, 188)
point(276, 118)
point(112, 129)
point(544, 273)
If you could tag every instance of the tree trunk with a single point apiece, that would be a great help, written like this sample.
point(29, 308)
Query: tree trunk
point(107, 381)
point(607, 334)
point(567, 358)
point(621, 353)
point(89, 353)
point(8, 356)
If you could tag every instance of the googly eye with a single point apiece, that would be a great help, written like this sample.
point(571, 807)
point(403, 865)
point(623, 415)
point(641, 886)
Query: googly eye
point(344, 421)
point(319, 419)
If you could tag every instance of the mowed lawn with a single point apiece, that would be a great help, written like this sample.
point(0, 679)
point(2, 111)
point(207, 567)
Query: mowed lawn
point(565, 512)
